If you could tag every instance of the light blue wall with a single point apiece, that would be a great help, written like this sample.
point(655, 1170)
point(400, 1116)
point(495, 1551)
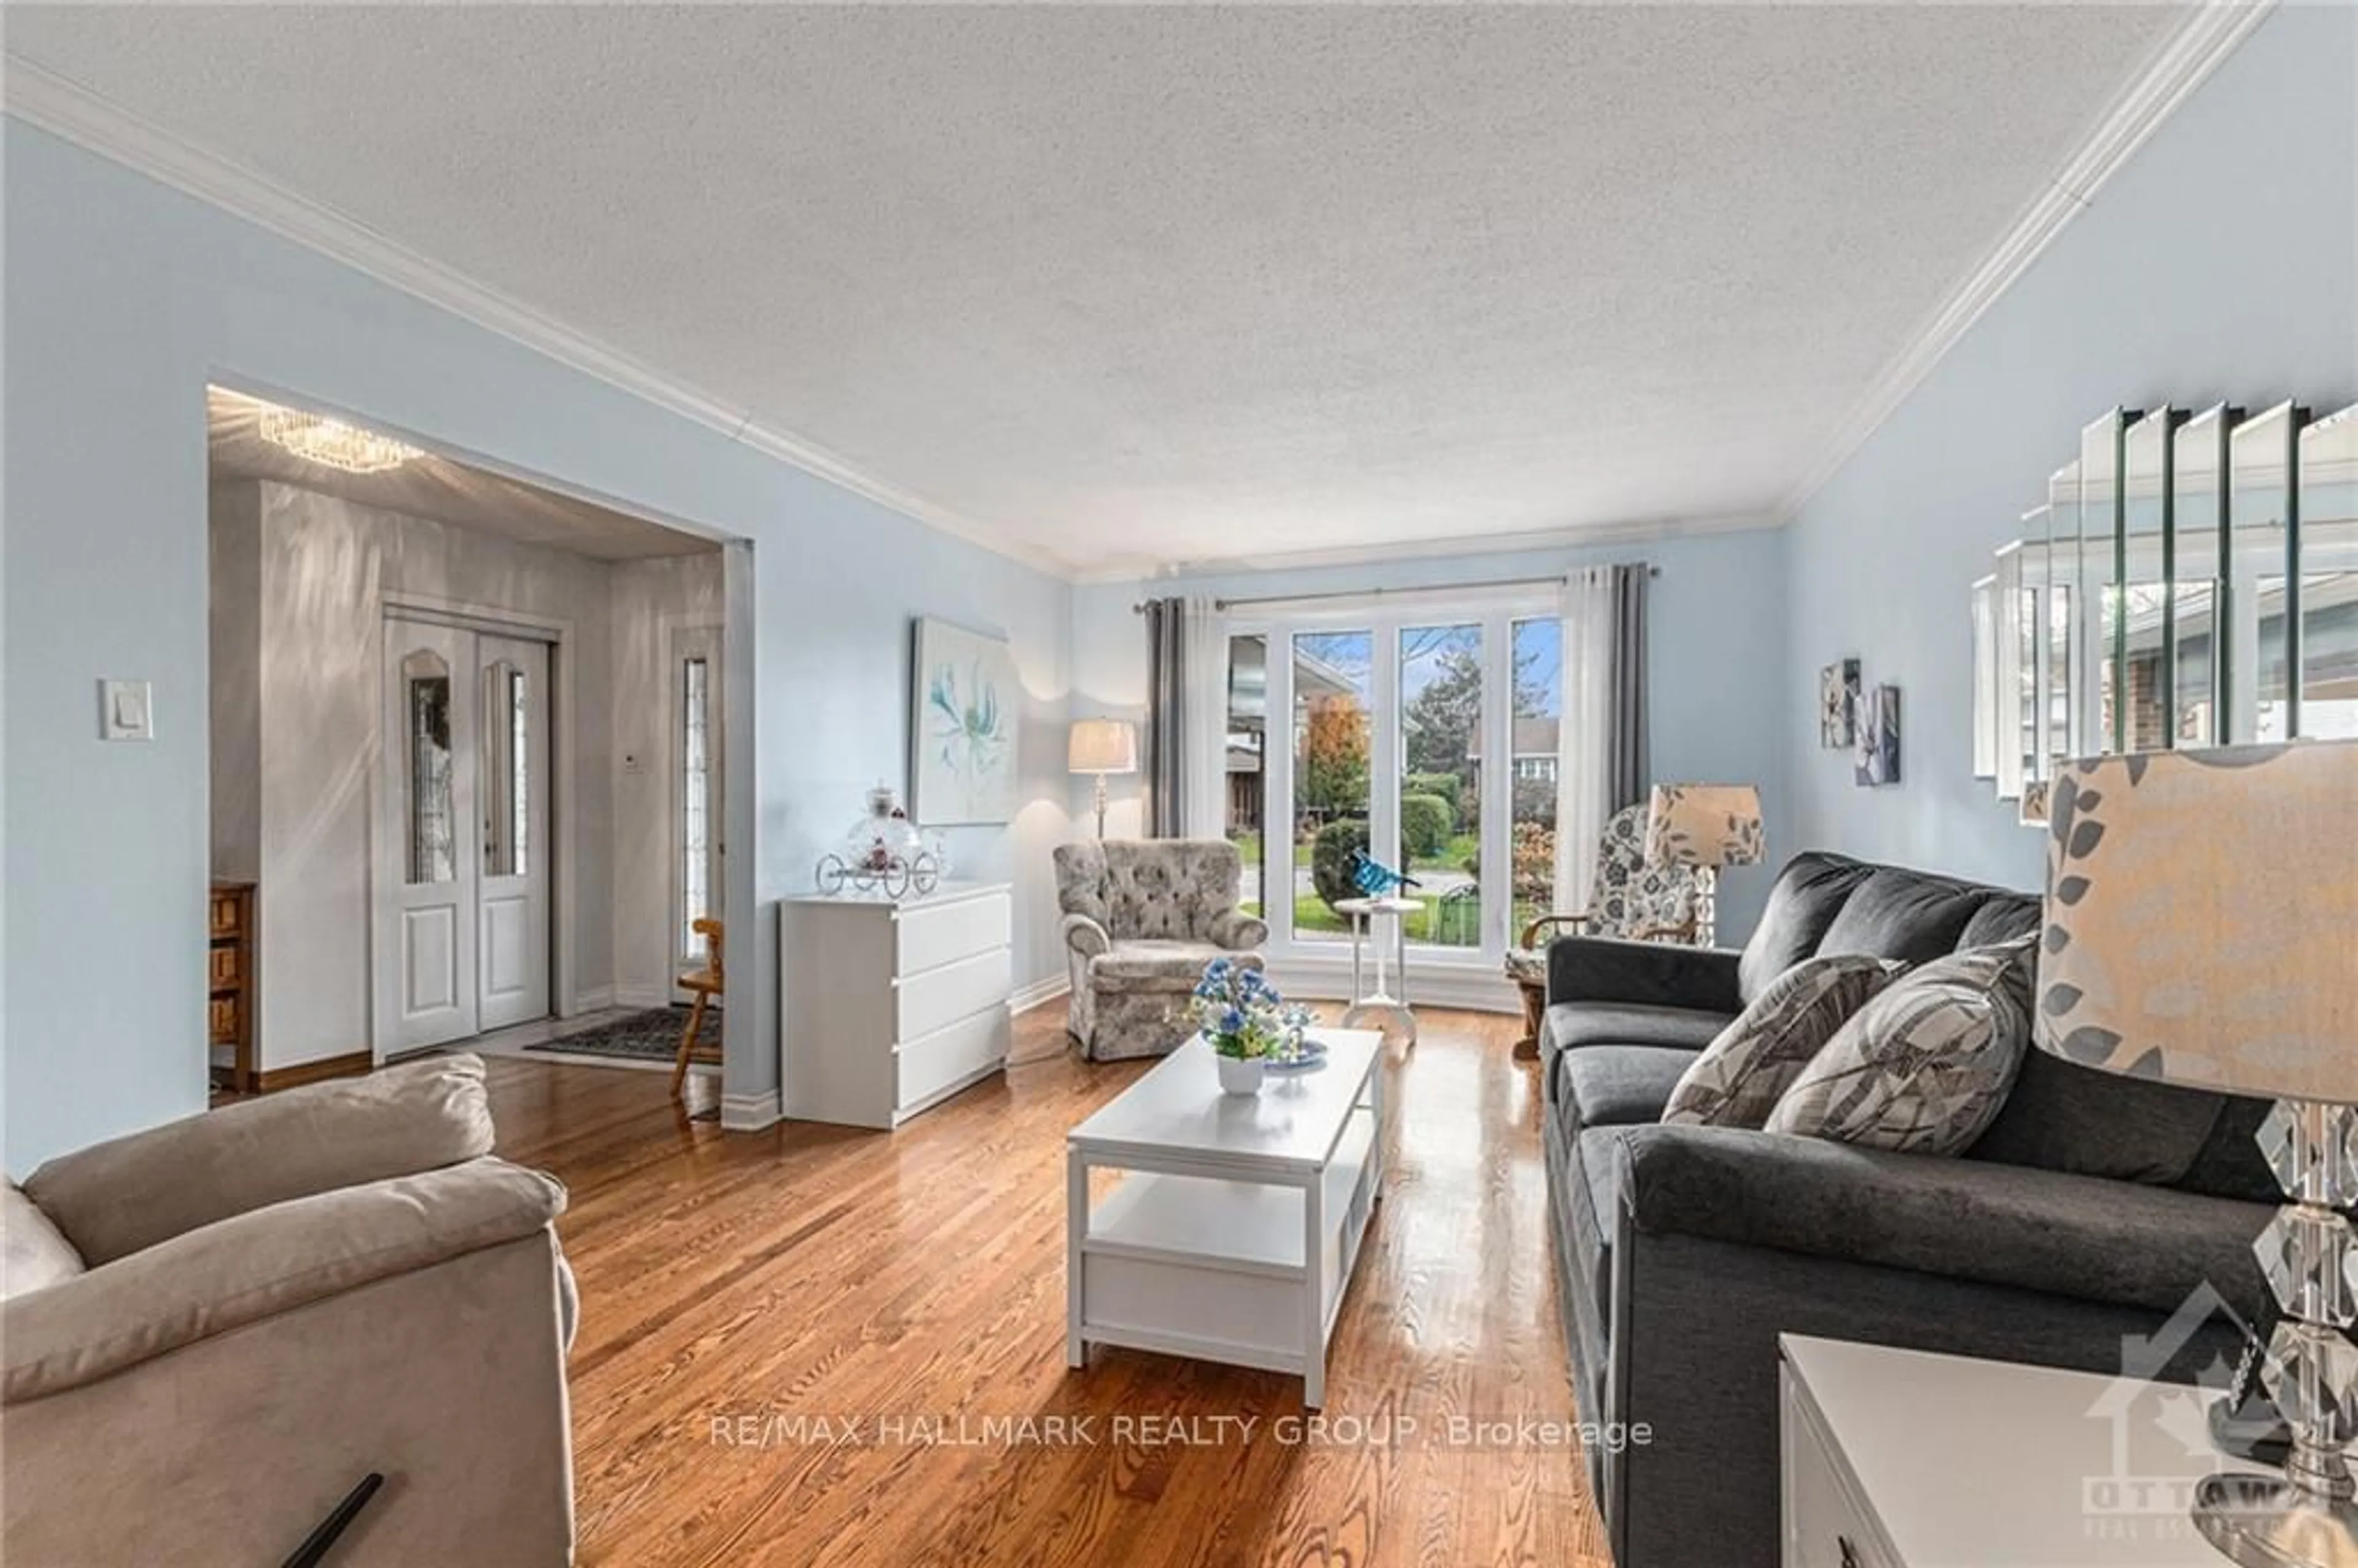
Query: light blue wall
point(1715, 634)
point(2221, 261)
point(122, 299)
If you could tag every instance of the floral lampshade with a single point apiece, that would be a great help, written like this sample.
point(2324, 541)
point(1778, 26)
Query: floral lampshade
point(1705, 824)
point(2201, 907)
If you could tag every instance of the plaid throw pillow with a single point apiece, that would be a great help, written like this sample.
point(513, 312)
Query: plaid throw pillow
point(1924, 1068)
point(1740, 1078)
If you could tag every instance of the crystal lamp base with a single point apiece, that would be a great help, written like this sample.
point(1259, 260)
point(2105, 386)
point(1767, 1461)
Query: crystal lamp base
point(2266, 1521)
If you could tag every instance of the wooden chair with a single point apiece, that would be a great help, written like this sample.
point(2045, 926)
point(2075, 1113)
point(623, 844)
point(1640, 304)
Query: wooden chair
point(1634, 900)
point(706, 983)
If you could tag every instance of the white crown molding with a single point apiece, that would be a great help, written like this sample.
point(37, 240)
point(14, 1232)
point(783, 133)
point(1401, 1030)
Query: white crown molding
point(2180, 66)
point(63, 108)
point(1597, 537)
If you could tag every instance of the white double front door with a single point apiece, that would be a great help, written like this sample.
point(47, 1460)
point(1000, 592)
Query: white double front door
point(463, 851)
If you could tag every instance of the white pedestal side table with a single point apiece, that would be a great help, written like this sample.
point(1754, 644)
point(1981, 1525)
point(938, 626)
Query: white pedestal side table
point(1379, 1008)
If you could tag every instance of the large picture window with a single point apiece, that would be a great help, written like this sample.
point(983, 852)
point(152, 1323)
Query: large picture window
point(1423, 735)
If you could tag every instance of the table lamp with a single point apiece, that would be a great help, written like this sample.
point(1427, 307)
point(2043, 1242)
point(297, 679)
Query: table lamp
point(1705, 826)
point(2202, 929)
point(1102, 746)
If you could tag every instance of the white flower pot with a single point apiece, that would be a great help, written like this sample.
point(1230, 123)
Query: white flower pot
point(1241, 1074)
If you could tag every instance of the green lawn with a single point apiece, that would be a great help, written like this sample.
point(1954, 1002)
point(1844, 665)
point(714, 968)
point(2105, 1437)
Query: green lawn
point(1311, 914)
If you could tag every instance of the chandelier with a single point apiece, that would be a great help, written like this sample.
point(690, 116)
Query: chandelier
point(331, 442)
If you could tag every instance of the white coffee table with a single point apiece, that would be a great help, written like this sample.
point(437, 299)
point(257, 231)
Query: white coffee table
point(1233, 1235)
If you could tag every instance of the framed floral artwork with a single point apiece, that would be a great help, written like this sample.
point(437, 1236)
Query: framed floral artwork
point(964, 712)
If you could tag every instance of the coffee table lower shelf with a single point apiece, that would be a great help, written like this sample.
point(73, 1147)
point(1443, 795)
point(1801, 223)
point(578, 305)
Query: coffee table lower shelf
point(1186, 1260)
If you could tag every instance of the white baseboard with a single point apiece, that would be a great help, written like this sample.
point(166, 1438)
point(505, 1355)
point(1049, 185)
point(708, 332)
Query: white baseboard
point(1476, 990)
point(598, 998)
point(749, 1113)
point(1025, 998)
point(641, 996)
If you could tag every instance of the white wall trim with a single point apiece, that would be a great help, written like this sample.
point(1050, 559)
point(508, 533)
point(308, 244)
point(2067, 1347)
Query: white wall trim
point(749, 1113)
point(1597, 537)
point(1477, 987)
point(1025, 998)
point(597, 999)
point(641, 996)
point(2182, 63)
point(65, 109)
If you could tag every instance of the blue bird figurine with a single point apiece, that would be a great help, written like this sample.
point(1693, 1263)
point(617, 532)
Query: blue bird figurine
point(1375, 879)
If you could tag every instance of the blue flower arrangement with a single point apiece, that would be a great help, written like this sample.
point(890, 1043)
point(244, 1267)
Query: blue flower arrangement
point(1242, 1014)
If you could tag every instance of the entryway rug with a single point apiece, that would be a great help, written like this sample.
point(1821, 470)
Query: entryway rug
point(649, 1036)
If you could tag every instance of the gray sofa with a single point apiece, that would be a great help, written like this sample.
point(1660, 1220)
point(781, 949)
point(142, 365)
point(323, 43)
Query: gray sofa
point(1141, 919)
point(2092, 1211)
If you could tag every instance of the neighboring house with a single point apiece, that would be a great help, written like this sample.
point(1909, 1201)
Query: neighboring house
point(1536, 739)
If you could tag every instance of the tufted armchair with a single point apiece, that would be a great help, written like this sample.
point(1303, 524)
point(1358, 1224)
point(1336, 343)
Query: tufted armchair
point(1141, 919)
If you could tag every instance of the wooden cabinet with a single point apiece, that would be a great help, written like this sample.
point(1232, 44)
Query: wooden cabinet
point(229, 1007)
point(892, 1007)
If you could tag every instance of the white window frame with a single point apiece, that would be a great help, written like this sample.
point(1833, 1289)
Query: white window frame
point(1383, 616)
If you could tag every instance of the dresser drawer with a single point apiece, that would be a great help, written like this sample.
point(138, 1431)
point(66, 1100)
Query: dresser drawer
point(932, 1063)
point(228, 918)
point(928, 1000)
point(225, 966)
point(928, 937)
point(222, 1019)
point(1825, 1525)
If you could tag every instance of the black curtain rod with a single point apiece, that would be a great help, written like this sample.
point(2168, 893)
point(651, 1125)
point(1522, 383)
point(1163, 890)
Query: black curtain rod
point(1559, 579)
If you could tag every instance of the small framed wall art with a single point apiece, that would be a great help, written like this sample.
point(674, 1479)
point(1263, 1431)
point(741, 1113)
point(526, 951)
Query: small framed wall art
point(1838, 697)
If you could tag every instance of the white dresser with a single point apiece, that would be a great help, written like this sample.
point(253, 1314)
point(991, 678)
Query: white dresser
point(1906, 1459)
point(891, 1008)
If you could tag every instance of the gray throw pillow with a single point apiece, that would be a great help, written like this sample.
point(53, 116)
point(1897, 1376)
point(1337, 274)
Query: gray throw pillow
point(1923, 1068)
point(1740, 1075)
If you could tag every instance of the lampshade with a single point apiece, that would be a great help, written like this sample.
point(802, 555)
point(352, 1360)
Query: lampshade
point(1704, 825)
point(2202, 919)
point(1102, 746)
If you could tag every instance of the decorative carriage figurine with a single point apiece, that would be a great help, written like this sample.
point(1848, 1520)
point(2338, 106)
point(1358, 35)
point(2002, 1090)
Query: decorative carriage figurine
point(883, 852)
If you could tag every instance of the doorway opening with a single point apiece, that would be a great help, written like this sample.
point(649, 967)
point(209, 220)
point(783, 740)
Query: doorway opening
point(469, 758)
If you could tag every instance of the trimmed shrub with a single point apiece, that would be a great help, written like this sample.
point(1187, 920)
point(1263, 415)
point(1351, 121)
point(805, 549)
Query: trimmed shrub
point(1426, 823)
point(1330, 858)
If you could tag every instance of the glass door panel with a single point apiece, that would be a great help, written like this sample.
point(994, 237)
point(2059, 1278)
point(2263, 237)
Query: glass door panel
point(2328, 543)
point(1442, 674)
point(1334, 696)
point(430, 818)
point(1247, 774)
point(1538, 719)
point(697, 779)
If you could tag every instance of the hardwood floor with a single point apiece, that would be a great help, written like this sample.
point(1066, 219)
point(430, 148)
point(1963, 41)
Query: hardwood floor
point(774, 1326)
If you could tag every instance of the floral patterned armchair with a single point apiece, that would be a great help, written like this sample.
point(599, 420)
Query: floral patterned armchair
point(1141, 919)
point(1635, 900)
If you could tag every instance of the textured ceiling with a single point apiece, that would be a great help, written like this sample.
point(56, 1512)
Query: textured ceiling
point(1137, 286)
point(445, 491)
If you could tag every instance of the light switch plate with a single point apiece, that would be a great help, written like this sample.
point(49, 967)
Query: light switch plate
point(127, 711)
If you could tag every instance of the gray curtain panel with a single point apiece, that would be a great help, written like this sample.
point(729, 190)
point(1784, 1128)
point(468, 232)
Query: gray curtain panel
point(1632, 768)
point(1166, 717)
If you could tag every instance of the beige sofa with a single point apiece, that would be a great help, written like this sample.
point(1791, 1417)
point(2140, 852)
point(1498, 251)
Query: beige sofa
point(211, 1331)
